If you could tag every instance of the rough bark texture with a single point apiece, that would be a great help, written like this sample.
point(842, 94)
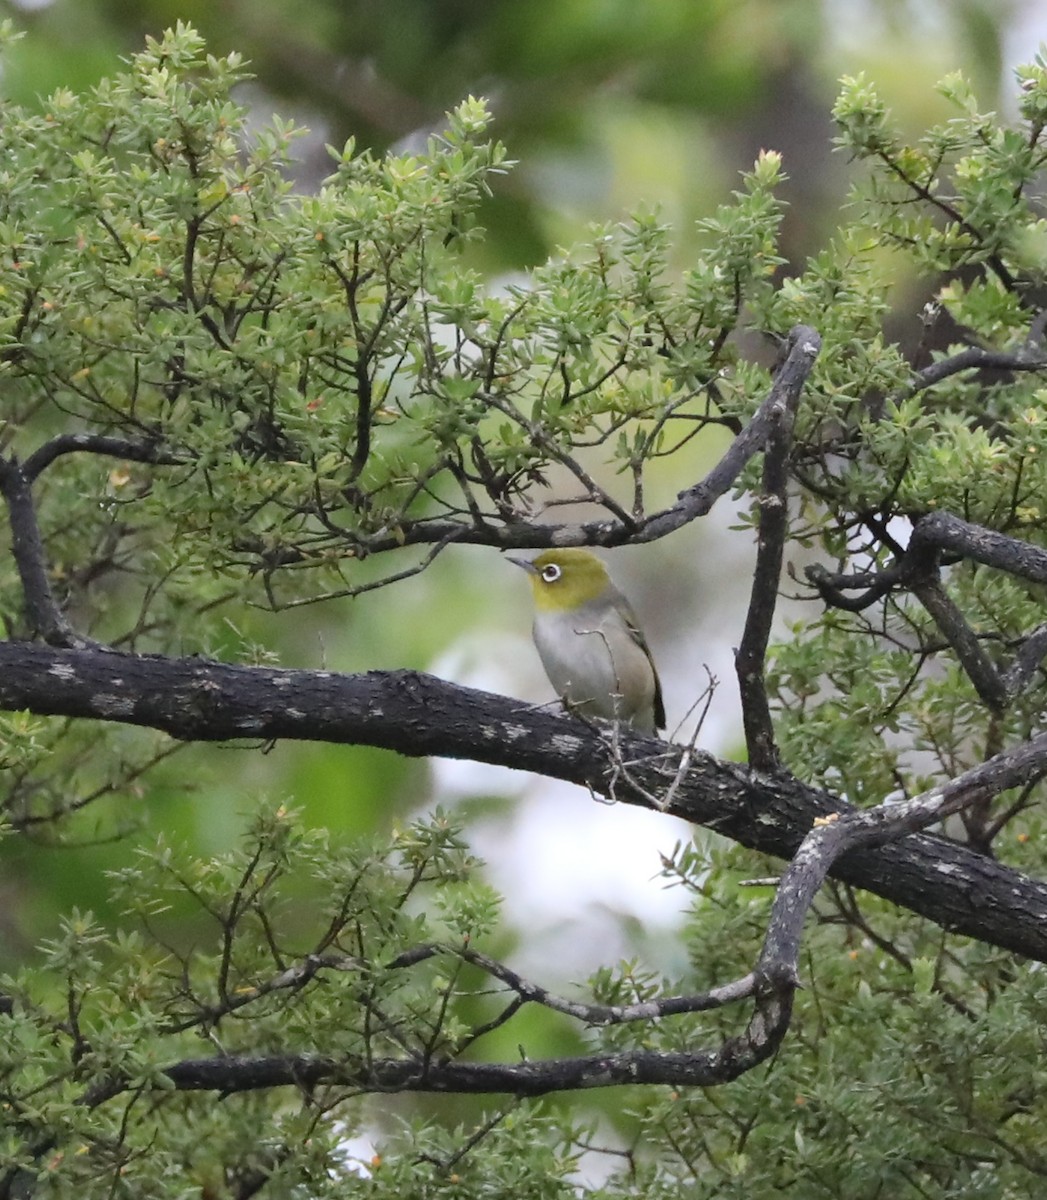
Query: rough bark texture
point(419, 715)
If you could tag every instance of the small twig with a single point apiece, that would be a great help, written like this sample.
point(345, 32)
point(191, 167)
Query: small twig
point(474, 1139)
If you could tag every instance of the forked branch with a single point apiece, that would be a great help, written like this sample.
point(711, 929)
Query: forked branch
point(772, 983)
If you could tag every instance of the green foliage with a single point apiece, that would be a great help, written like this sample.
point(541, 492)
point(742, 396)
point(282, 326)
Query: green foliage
point(297, 947)
point(915, 1070)
point(880, 445)
point(912, 1063)
point(318, 376)
point(270, 391)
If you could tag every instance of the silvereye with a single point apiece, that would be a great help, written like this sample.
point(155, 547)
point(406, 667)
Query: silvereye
point(590, 642)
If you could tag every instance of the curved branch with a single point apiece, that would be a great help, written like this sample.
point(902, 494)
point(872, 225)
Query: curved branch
point(836, 835)
point(803, 347)
point(590, 1013)
point(974, 358)
point(773, 982)
point(916, 570)
point(943, 531)
point(96, 443)
point(694, 502)
point(43, 614)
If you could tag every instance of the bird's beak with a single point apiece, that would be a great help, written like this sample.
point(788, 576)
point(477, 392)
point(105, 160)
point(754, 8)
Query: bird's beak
point(526, 563)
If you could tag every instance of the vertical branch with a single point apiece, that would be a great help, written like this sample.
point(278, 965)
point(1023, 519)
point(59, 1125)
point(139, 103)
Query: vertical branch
point(750, 658)
point(42, 612)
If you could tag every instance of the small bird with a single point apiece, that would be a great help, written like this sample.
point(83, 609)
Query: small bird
point(590, 642)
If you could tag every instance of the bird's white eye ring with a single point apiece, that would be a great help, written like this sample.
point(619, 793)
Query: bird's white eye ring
point(551, 573)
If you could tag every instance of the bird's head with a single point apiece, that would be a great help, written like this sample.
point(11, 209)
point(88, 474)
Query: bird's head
point(566, 579)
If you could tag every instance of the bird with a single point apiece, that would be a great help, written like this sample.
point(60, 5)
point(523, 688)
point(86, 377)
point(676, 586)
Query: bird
point(590, 642)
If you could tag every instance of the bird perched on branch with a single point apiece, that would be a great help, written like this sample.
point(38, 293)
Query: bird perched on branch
point(590, 642)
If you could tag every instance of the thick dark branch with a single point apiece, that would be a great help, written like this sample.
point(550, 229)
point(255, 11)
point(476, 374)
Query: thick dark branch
point(835, 836)
point(917, 571)
point(952, 625)
point(234, 1073)
point(227, 1074)
point(1026, 661)
point(773, 529)
point(418, 715)
point(943, 531)
point(43, 615)
point(95, 443)
point(933, 533)
point(974, 358)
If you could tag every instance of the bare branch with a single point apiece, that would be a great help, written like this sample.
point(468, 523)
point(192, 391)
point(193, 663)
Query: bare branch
point(591, 1014)
point(943, 531)
point(239, 1073)
point(804, 344)
point(775, 977)
point(836, 835)
point(953, 627)
point(917, 571)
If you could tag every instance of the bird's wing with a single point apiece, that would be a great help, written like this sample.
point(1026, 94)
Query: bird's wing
point(636, 633)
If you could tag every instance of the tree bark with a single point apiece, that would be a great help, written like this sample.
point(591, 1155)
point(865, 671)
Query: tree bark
point(421, 716)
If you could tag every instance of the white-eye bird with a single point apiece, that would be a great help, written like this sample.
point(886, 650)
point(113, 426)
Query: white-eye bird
point(590, 642)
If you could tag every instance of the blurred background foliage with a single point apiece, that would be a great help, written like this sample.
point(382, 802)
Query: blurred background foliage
point(606, 104)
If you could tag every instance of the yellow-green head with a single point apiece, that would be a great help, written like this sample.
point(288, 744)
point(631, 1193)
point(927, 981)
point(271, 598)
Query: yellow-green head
point(563, 580)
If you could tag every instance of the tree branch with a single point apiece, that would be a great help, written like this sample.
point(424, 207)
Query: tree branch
point(694, 502)
point(836, 835)
point(750, 659)
point(953, 626)
point(773, 982)
point(418, 715)
point(95, 443)
point(239, 1073)
point(43, 615)
point(803, 347)
point(917, 571)
point(943, 531)
point(975, 358)
point(590, 1013)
